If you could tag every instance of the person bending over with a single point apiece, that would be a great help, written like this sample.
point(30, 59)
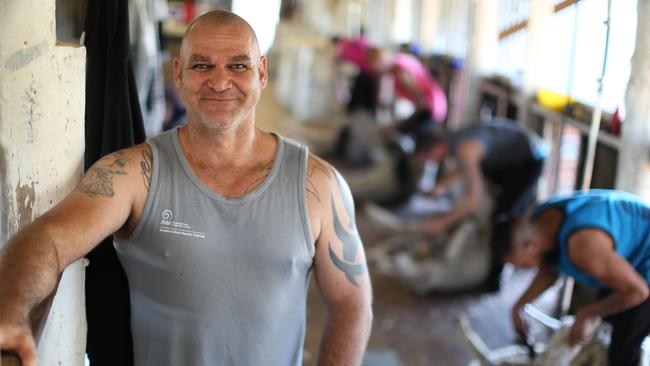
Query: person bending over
point(602, 239)
point(498, 158)
point(405, 76)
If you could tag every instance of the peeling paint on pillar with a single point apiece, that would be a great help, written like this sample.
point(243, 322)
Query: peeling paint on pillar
point(4, 217)
point(25, 198)
point(31, 108)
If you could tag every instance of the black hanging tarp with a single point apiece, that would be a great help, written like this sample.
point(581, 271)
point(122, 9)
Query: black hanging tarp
point(113, 122)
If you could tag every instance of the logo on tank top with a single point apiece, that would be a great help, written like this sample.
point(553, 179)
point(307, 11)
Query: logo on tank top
point(167, 215)
point(170, 226)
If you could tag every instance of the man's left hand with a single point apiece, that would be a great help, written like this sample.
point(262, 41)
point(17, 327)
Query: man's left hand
point(581, 331)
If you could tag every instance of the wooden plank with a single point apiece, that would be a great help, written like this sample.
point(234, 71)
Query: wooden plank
point(524, 23)
point(564, 4)
point(514, 29)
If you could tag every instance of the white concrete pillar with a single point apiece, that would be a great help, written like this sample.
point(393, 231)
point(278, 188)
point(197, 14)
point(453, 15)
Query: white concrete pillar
point(317, 16)
point(379, 21)
point(402, 27)
point(429, 24)
point(42, 89)
point(454, 29)
point(486, 36)
point(633, 158)
point(537, 45)
point(263, 16)
point(479, 61)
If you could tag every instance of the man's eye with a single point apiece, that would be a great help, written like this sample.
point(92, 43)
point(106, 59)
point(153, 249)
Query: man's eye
point(239, 67)
point(200, 66)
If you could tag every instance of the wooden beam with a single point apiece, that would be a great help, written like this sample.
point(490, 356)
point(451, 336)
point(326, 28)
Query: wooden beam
point(514, 29)
point(524, 23)
point(564, 4)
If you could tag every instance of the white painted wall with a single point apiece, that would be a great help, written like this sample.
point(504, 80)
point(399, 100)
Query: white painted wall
point(430, 23)
point(633, 159)
point(480, 60)
point(41, 149)
point(537, 46)
point(263, 16)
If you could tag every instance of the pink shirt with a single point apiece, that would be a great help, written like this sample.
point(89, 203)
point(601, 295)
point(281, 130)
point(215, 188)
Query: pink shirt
point(437, 101)
point(354, 51)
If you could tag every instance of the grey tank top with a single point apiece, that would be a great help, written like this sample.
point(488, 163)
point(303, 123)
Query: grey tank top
point(214, 280)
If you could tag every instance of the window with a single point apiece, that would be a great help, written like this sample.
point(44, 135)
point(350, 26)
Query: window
point(574, 54)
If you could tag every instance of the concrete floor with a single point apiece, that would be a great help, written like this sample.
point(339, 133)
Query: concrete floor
point(408, 329)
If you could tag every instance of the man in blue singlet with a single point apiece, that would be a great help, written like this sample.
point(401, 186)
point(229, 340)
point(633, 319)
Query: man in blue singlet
point(602, 239)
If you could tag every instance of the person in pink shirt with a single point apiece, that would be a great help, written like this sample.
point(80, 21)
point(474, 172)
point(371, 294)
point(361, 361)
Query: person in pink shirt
point(364, 89)
point(354, 50)
point(412, 81)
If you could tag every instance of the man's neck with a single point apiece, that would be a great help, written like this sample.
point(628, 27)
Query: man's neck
point(230, 164)
point(216, 147)
point(548, 225)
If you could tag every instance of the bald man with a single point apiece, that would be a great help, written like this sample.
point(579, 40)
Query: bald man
point(218, 225)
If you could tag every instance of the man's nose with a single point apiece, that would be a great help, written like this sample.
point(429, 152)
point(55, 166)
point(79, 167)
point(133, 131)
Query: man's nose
point(219, 79)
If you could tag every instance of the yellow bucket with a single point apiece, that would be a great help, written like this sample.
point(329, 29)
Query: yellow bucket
point(554, 101)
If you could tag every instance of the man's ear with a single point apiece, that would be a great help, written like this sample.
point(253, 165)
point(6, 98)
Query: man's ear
point(264, 76)
point(177, 72)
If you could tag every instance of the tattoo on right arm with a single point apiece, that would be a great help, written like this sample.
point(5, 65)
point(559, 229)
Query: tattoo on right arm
point(98, 181)
point(146, 166)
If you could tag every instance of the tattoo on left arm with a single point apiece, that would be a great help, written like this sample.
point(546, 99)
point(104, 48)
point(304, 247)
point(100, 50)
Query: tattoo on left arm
point(351, 242)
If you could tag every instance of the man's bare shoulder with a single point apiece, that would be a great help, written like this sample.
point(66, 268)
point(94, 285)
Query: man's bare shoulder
point(320, 176)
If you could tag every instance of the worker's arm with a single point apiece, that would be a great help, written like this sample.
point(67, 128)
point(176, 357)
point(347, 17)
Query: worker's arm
point(545, 278)
point(469, 157)
point(592, 251)
point(340, 267)
point(30, 263)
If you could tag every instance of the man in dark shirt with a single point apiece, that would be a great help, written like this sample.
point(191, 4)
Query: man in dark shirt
point(500, 158)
